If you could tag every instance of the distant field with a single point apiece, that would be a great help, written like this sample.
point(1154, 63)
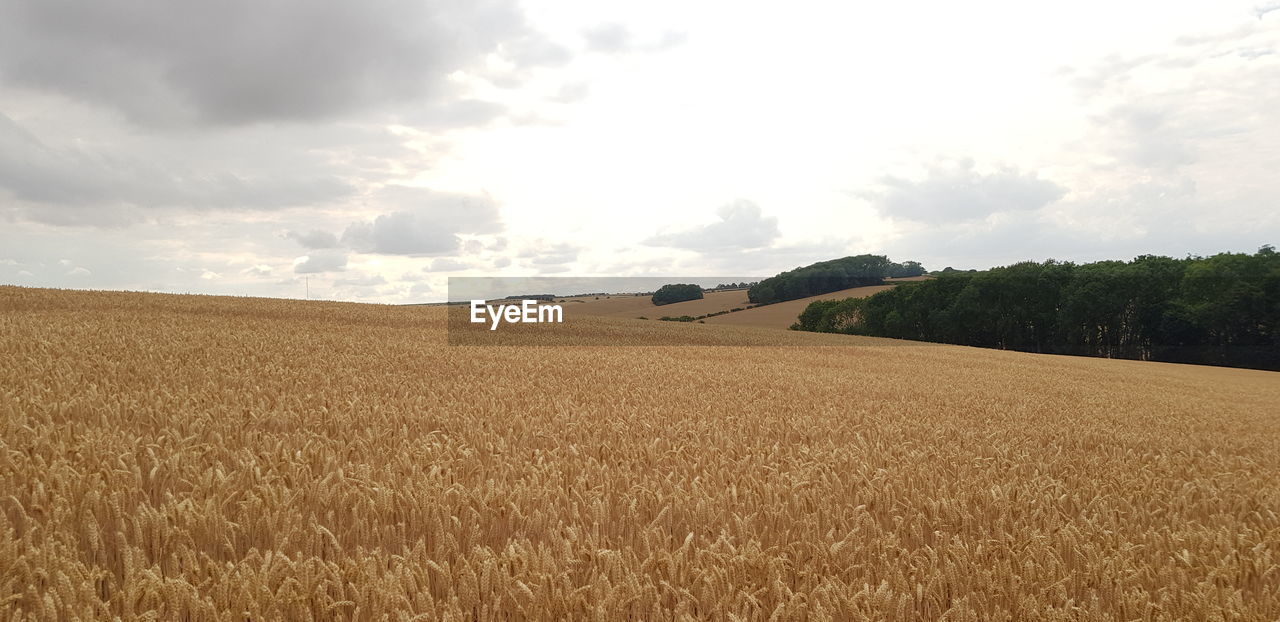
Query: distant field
point(780, 315)
point(784, 314)
point(636, 306)
point(202, 458)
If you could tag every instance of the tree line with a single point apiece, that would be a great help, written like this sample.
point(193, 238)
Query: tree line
point(830, 276)
point(1218, 310)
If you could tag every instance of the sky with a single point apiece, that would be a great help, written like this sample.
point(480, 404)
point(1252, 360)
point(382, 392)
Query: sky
point(368, 151)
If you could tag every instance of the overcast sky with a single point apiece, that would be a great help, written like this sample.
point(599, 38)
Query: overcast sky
point(375, 148)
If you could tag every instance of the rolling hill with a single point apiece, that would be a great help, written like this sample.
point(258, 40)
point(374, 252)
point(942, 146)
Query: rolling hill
point(778, 315)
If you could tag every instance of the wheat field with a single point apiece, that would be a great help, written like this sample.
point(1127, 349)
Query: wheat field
point(198, 458)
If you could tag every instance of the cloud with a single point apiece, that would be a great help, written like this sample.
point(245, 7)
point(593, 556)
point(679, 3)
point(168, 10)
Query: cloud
point(742, 225)
point(314, 239)
point(572, 92)
point(542, 253)
point(956, 192)
point(616, 38)
point(369, 280)
point(242, 62)
point(1146, 136)
point(608, 38)
point(98, 181)
point(321, 261)
point(447, 264)
point(78, 271)
point(428, 222)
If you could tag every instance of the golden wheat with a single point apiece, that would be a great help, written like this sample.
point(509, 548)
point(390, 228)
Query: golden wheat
point(199, 458)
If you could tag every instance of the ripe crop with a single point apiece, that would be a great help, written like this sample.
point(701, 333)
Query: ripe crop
point(199, 458)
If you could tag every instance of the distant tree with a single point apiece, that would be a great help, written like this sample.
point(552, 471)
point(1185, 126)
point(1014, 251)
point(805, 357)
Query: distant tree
point(821, 278)
point(676, 292)
point(904, 269)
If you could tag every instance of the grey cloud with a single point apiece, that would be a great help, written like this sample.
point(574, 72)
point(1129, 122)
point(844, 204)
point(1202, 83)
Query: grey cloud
point(327, 260)
point(99, 187)
point(243, 61)
point(400, 233)
point(427, 223)
point(314, 239)
point(958, 192)
point(742, 225)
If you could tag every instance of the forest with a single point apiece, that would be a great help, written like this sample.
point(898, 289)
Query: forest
point(830, 276)
point(1217, 310)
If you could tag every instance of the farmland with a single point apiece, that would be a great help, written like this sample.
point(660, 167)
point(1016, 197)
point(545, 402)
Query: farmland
point(780, 315)
point(636, 306)
point(203, 458)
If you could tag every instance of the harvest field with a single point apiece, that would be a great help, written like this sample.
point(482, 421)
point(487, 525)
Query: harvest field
point(784, 314)
point(202, 458)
